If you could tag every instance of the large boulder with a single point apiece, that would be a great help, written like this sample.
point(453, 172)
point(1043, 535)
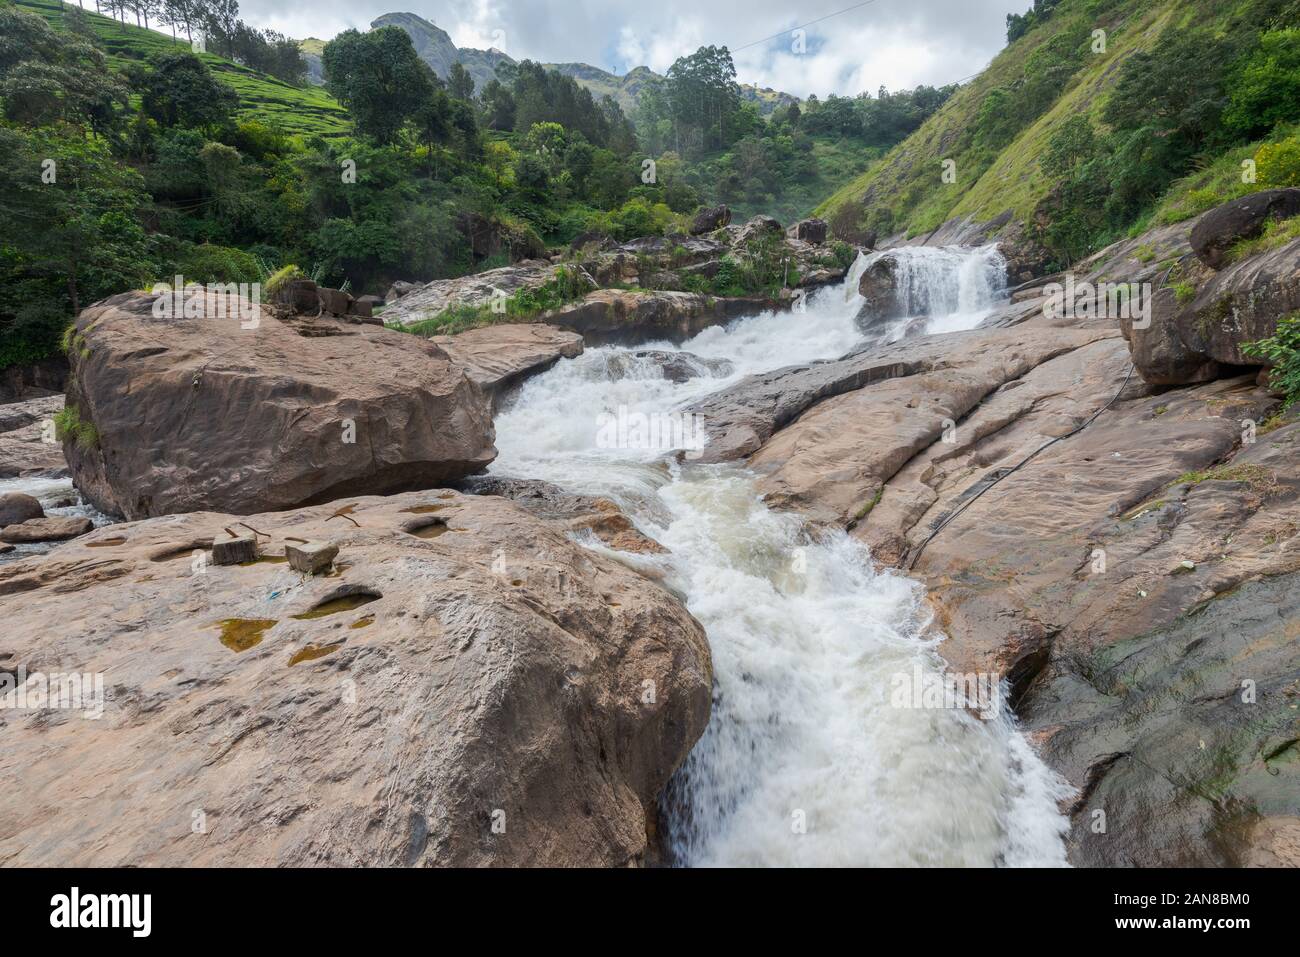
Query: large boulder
point(709, 219)
point(18, 507)
point(809, 231)
point(1200, 324)
point(467, 687)
point(1223, 227)
point(879, 289)
point(758, 227)
point(247, 415)
point(630, 316)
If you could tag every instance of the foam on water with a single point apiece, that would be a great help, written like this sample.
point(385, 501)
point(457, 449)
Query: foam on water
point(805, 760)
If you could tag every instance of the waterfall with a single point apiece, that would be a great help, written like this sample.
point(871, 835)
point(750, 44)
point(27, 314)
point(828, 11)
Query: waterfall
point(932, 288)
point(806, 760)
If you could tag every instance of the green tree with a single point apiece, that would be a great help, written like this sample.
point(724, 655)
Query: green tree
point(378, 77)
point(180, 90)
point(460, 85)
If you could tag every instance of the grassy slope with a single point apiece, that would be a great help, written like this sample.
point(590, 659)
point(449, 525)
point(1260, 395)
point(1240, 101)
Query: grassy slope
point(289, 109)
point(907, 183)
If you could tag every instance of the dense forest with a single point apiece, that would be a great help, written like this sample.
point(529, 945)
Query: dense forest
point(143, 158)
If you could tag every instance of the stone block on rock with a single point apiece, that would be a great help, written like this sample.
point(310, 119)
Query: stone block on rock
point(310, 558)
point(335, 301)
point(234, 551)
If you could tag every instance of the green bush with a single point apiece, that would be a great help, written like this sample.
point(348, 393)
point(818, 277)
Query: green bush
point(1282, 352)
point(1277, 165)
point(222, 264)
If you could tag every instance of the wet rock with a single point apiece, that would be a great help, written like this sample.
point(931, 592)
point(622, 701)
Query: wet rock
point(568, 511)
point(879, 287)
point(234, 550)
point(205, 414)
point(17, 507)
point(707, 220)
point(52, 528)
point(1216, 232)
point(478, 698)
point(674, 366)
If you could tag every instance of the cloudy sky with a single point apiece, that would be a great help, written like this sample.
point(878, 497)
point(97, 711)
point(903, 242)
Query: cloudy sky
point(895, 43)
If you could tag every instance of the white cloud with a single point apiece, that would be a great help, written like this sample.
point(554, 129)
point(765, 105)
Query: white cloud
point(897, 43)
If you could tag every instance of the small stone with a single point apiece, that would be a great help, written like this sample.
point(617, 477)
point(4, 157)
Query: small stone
point(1190, 566)
point(310, 557)
point(234, 551)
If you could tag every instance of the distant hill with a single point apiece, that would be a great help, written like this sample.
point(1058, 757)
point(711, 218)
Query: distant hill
point(435, 47)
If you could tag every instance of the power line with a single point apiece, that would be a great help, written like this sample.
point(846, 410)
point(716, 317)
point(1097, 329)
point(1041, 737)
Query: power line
point(828, 16)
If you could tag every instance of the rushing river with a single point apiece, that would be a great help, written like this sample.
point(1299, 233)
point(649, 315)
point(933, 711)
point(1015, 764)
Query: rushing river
point(807, 759)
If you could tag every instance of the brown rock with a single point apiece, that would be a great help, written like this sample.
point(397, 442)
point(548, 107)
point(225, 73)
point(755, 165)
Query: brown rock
point(18, 507)
point(499, 357)
point(52, 528)
point(204, 414)
point(709, 219)
point(475, 697)
point(1223, 227)
point(1193, 339)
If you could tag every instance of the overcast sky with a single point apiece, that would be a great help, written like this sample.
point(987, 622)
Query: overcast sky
point(895, 43)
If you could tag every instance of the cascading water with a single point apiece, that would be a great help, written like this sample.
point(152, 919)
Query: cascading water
point(807, 759)
point(950, 288)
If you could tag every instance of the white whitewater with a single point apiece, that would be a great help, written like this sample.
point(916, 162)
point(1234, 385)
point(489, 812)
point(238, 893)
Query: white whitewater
point(951, 287)
point(805, 760)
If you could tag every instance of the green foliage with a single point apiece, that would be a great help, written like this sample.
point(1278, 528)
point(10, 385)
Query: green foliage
point(68, 424)
point(565, 287)
point(1264, 86)
point(180, 91)
point(379, 78)
point(274, 284)
point(1278, 164)
point(1282, 352)
point(221, 264)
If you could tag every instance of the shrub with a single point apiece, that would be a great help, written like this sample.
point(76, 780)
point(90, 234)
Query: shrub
point(1277, 165)
point(1282, 352)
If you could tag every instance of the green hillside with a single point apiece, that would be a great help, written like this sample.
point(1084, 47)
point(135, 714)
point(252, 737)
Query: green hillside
point(288, 109)
point(999, 128)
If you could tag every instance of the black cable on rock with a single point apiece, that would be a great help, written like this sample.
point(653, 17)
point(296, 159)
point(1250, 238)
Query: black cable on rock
point(1060, 438)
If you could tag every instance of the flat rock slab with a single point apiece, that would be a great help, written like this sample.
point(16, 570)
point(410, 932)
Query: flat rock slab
point(469, 687)
point(52, 528)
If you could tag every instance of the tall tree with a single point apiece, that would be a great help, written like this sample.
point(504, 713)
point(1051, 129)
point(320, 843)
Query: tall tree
point(379, 78)
point(459, 83)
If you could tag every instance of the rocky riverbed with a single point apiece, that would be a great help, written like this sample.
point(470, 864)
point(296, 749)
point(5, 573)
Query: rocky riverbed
point(520, 667)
